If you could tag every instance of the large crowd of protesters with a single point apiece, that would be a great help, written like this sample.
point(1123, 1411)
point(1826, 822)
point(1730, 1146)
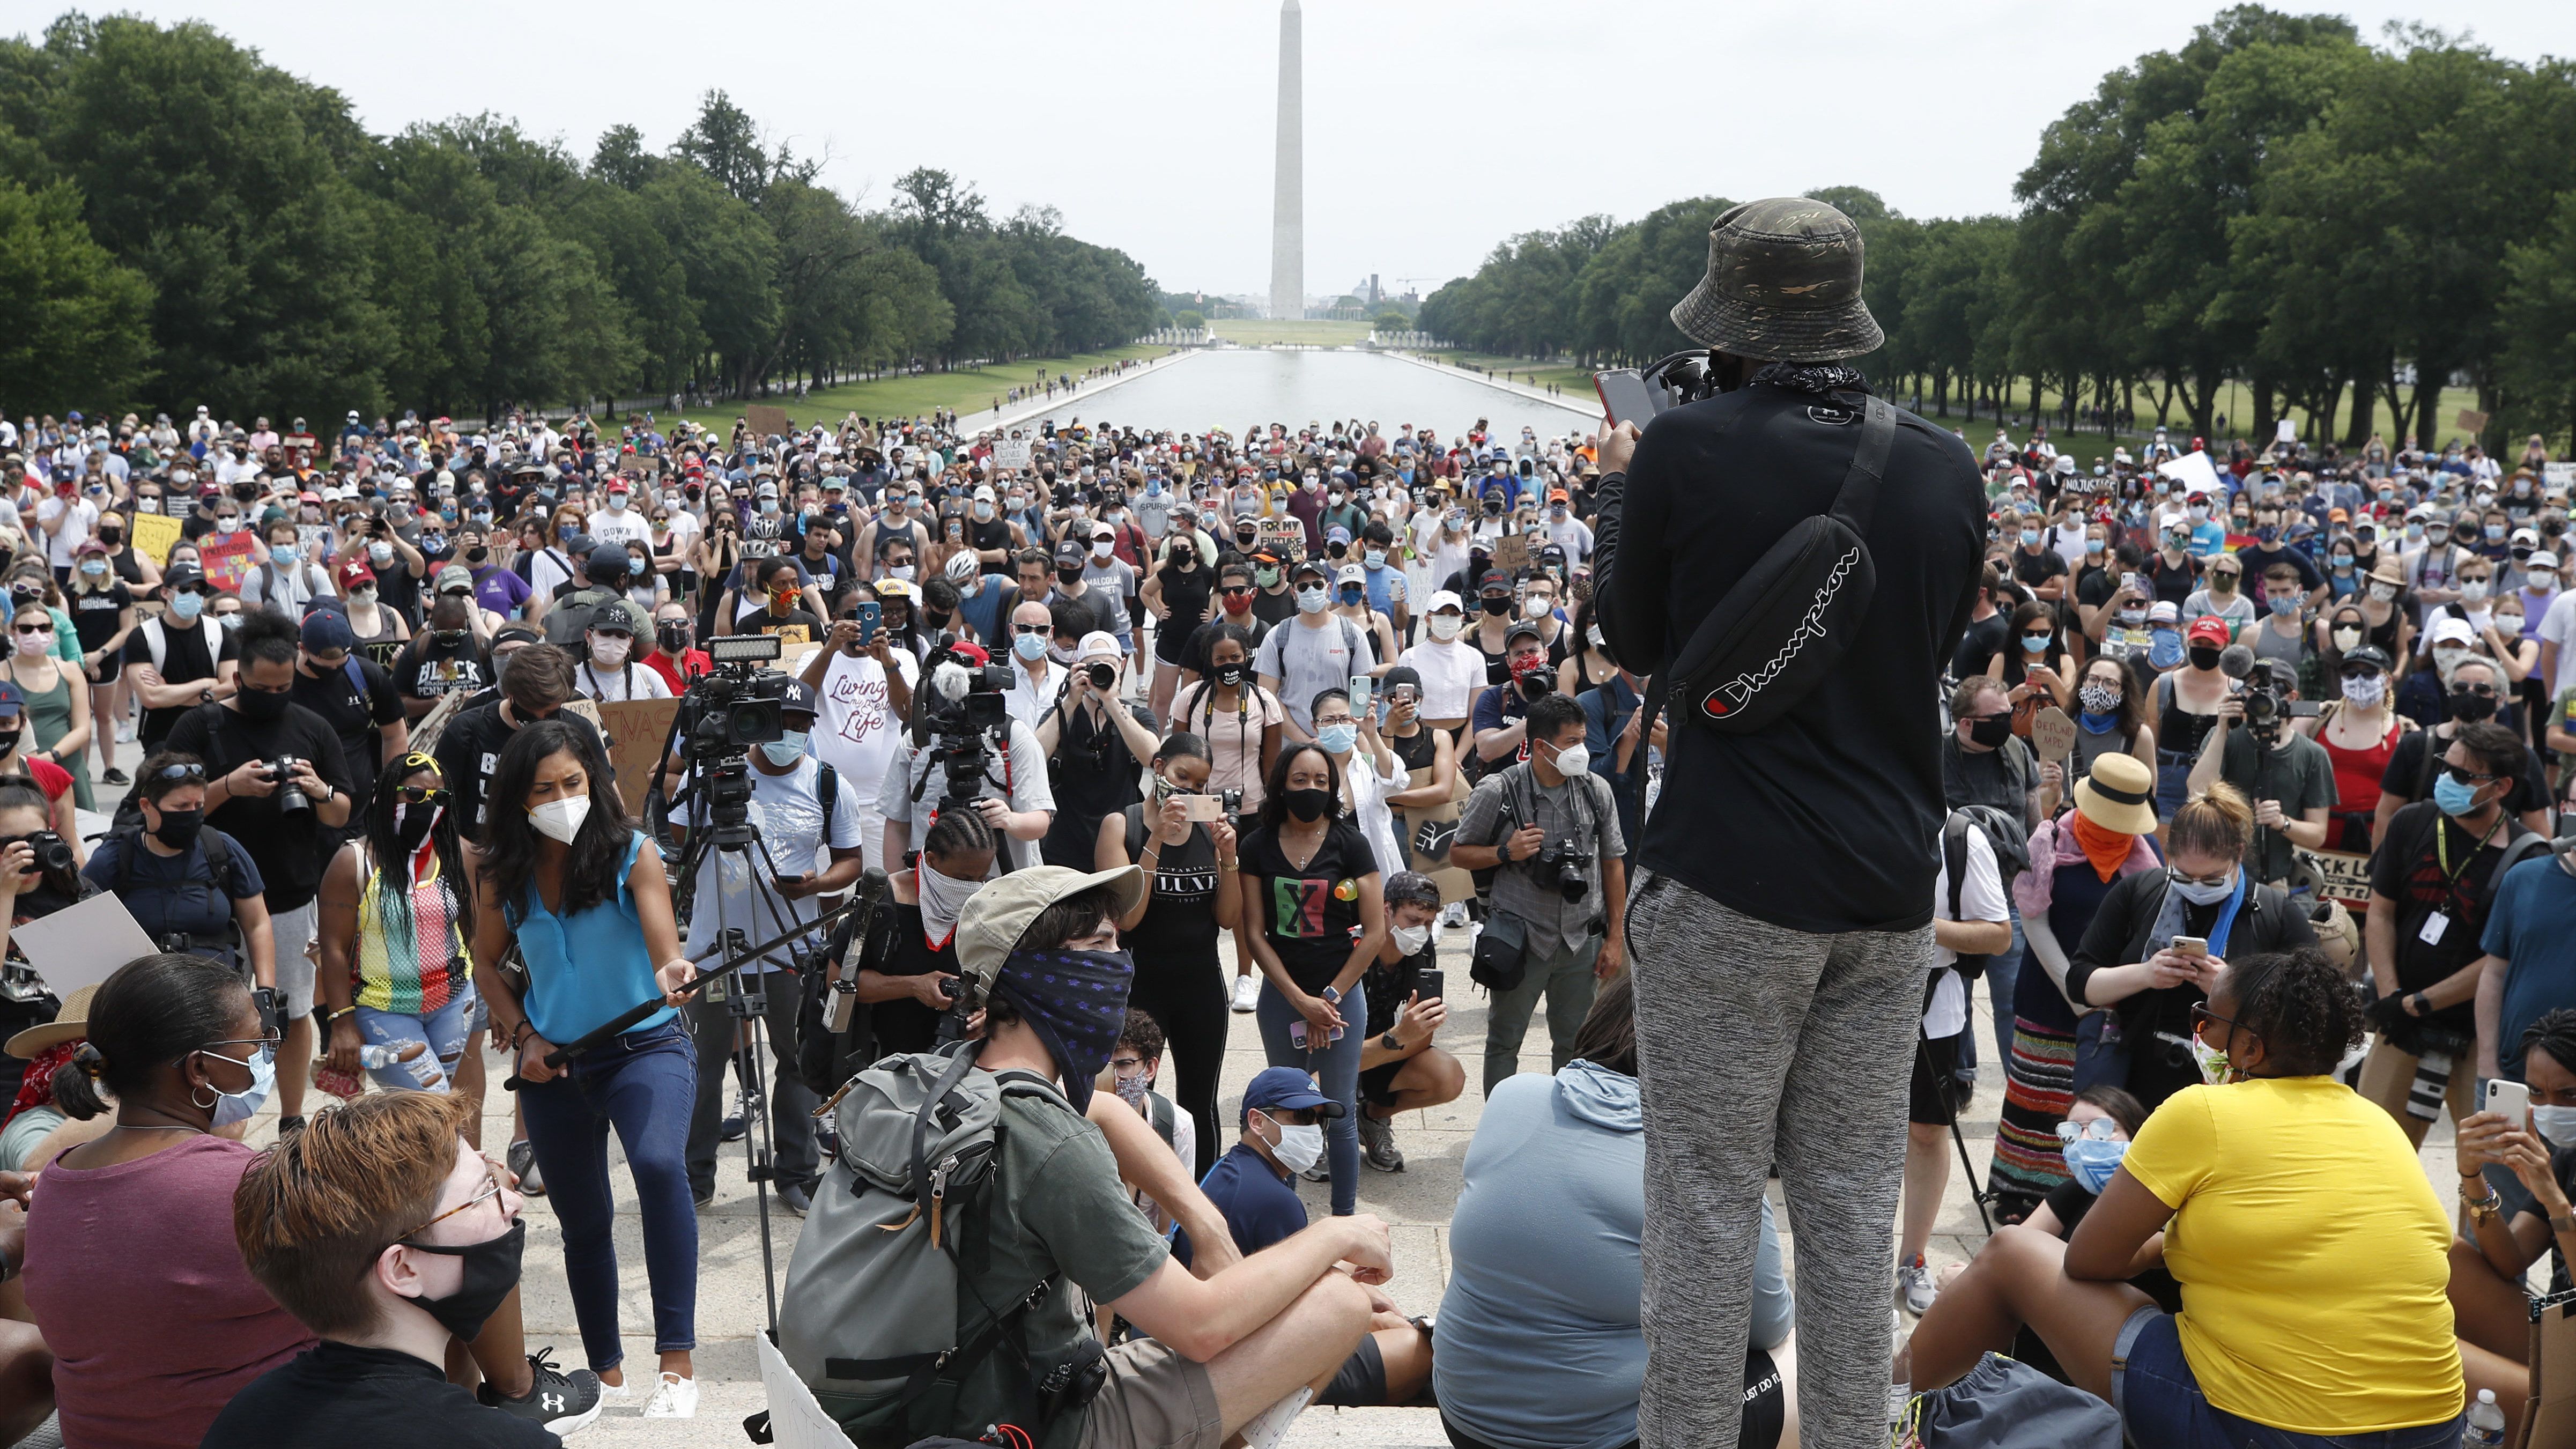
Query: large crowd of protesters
point(2255, 764)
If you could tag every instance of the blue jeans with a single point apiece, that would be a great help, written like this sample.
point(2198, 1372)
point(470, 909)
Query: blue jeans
point(1337, 1075)
point(2160, 1402)
point(642, 1085)
point(2003, 974)
point(442, 1030)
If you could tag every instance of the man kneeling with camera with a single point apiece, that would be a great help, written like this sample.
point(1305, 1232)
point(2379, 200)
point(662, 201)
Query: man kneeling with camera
point(1560, 892)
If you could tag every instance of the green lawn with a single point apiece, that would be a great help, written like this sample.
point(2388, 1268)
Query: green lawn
point(968, 390)
point(1261, 331)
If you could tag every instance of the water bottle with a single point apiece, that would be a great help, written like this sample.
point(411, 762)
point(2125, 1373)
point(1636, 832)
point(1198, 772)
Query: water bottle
point(423, 1067)
point(2486, 1423)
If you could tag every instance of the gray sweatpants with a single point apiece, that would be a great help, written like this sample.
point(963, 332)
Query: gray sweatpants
point(1759, 1045)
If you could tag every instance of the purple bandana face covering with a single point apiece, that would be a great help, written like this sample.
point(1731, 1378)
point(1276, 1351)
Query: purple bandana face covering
point(1076, 1001)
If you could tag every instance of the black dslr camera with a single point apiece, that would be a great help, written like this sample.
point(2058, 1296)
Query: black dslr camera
point(962, 708)
point(1561, 865)
point(290, 796)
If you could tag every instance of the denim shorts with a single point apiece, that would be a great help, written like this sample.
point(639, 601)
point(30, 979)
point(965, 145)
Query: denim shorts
point(2160, 1402)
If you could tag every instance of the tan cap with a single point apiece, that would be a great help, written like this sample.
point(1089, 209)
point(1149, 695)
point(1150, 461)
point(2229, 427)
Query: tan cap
point(990, 926)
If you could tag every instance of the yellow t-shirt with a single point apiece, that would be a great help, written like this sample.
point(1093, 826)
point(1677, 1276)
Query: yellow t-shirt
point(2312, 1255)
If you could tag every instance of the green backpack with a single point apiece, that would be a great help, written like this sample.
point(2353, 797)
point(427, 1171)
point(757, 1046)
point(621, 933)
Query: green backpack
point(869, 1315)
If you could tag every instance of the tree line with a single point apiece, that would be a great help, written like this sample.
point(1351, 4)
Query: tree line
point(182, 223)
point(2330, 223)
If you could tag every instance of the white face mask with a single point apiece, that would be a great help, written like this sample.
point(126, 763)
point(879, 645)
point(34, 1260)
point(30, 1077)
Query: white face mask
point(1444, 626)
point(561, 819)
point(1574, 760)
point(943, 898)
point(1298, 1148)
point(608, 651)
point(1410, 939)
point(1103, 550)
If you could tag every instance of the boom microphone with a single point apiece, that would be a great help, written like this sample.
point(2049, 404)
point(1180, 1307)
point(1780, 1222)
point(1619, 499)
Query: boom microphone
point(2236, 661)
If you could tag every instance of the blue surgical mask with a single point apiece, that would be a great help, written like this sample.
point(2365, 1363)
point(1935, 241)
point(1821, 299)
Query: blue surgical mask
point(2092, 1162)
point(2452, 797)
point(1338, 738)
point(241, 1106)
point(2200, 894)
point(1031, 647)
point(186, 607)
point(2164, 648)
point(1376, 557)
point(2036, 643)
point(2030, 535)
point(787, 749)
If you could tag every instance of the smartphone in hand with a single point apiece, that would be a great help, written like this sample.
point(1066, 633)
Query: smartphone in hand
point(2509, 1100)
point(2193, 946)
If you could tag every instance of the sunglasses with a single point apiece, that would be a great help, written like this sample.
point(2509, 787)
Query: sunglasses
point(422, 794)
point(34, 628)
point(1046, 629)
point(1235, 591)
point(2361, 671)
point(2462, 774)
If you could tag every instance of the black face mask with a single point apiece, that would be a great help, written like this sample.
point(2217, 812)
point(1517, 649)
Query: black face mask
point(2468, 706)
point(2204, 656)
point(1495, 607)
point(1991, 731)
point(1229, 675)
point(261, 705)
point(416, 823)
point(1068, 576)
point(1307, 805)
point(673, 637)
point(178, 828)
point(477, 554)
point(9, 740)
point(491, 1271)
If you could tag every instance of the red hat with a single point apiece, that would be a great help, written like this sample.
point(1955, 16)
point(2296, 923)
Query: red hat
point(2207, 629)
point(356, 572)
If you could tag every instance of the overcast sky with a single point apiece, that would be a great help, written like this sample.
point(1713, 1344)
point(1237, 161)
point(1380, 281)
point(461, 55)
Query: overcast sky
point(1433, 127)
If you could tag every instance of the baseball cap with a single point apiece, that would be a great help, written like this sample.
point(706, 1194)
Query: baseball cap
point(352, 574)
point(617, 616)
point(1097, 643)
point(899, 588)
point(1444, 599)
point(983, 492)
point(2207, 629)
point(13, 700)
point(327, 631)
point(989, 927)
point(1337, 534)
point(1286, 1089)
point(2541, 559)
point(799, 699)
point(2164, 611)
point(1351, 574)
point(1520, 627)
point(2450, 630)
point(1069, 552)
point(1493, 579)
point(454, 576)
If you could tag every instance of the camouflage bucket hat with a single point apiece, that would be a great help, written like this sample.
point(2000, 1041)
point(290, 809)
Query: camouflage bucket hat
point(1783, 284)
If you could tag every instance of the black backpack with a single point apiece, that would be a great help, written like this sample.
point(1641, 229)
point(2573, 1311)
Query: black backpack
point(569, 618)
point(2012, 857)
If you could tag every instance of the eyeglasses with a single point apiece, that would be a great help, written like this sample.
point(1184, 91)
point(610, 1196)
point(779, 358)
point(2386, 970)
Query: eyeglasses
point(2220, 879)
point(2100, 1129)
point(1124, 1065)
point(490, 1190)
point(2200, 1012)
point(2462, 774)
point(266, 1042)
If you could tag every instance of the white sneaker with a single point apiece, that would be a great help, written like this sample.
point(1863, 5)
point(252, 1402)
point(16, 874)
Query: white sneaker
point(1914, 1282)
point(673, 1398)
point(1271, 1426)
point(1247, 992)
point(125, 733)
point(615, 1393)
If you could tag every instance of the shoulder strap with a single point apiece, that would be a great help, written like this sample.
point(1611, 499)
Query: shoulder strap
point(2523, 847)
point(1163, 1116)
point(827, 789)
point(1858, 499)
point(1954, 856)
point(156, 638)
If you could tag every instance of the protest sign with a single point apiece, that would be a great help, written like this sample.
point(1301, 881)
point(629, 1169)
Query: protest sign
point(1511, 552)
point(2195, 471)
point(1012, 453)
point(2471, 421)
point(1285, 537)
point(229, 560)
point(636, 730)
point(767, 421)
point(152, 534)
point(2054, 733)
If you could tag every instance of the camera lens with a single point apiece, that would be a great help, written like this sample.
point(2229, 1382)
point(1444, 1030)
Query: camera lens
point(1103, 676)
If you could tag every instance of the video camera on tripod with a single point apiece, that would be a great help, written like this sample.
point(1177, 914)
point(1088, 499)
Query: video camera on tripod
point(724, 713)
point(961, 711)
point(2264, 692)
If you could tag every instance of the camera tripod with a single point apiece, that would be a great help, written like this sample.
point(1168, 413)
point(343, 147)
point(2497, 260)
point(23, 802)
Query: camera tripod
point(746, 993)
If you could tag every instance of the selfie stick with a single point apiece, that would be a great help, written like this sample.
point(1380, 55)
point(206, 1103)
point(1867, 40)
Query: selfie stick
point(625, 1020)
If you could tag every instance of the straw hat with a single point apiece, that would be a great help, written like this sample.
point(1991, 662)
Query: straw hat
point(2119, 794)
point(71, 1025)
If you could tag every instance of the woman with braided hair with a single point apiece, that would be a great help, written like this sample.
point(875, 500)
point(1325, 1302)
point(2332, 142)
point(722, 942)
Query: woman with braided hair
point(2311, 1252)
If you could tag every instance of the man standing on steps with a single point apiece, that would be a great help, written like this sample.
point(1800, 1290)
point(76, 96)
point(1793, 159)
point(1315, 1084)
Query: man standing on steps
point(1787, 870)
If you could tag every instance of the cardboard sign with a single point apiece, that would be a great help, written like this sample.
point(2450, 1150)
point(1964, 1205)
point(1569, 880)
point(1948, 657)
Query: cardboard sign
point(82, 945)
point(2471, 421)
point(795, 1420)
point(2285, 431)
point(2196, 472)
point(636, 730)
point(642, 464)
point(2341, 876)
point(1442, 823)
point(1285, 537)
point(2053, 733)
point(2558, 475)
point(1013, 453)
point(1511, 552)
point(228, 561)
point(767, 421)
point(153, 535)
point(2549, 1416)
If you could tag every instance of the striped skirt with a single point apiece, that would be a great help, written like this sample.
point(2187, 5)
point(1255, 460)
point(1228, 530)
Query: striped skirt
point(2039, 1084)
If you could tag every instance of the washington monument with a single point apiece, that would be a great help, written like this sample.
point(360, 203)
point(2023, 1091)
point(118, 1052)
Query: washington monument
point(1288, 208)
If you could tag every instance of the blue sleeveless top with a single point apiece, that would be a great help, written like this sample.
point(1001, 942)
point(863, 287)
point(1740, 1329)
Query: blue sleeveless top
point(614, 971)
